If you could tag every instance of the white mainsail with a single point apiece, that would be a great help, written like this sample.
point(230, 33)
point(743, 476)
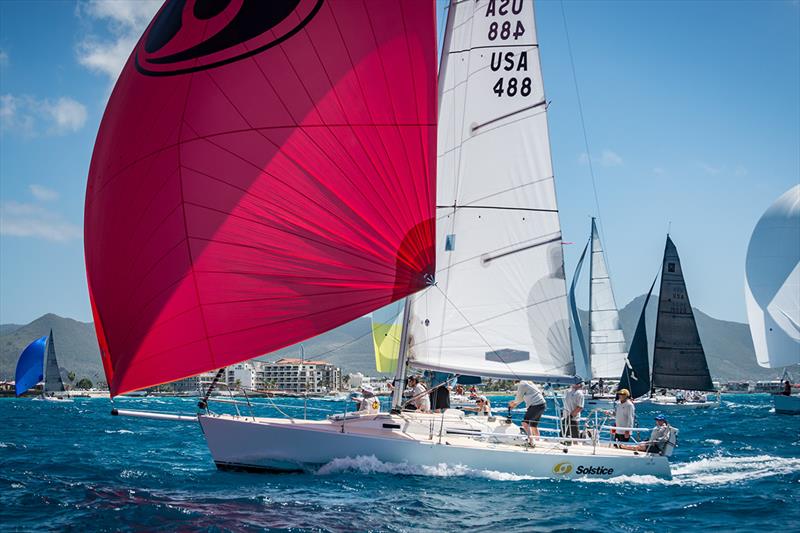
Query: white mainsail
point(606, 339)
point(499, 306)
point(772, 283)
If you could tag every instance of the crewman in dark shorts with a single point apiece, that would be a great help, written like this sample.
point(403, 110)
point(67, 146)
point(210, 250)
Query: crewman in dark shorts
point(530, 394)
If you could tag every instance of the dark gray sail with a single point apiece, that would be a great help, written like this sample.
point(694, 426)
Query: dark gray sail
point(52, 375)
point(679, 361)
point(636, 372)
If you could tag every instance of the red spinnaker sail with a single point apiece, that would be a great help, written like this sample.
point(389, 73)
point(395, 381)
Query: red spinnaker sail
point(264, 172)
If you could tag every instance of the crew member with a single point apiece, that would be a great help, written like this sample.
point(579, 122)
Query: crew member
point(419, 395)
point(571, 413)
point(369, 403)
point(787, 388)
point(625, 413)
point(528, 392)
point(659, 438)
point(482, 407)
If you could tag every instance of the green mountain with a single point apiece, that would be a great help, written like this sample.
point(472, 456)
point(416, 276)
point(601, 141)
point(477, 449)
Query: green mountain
point(75, 342)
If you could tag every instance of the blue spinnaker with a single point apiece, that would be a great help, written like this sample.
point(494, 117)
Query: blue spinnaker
point(30, 366)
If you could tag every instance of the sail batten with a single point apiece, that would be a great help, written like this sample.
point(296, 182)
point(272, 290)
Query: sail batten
point(498, 307)
point(679, 361)
point(249, 191)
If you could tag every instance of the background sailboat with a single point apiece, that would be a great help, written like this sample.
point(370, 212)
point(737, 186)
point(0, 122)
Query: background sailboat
point(607, 349)
point(679, 362)
point(772, 289)
point(36, 363)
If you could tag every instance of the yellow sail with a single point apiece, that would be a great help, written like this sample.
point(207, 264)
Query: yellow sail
point(387, 328)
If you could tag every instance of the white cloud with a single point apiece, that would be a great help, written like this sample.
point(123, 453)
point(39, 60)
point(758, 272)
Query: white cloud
point(3, 58)
point(124, 20)
point(608, 158)
point(28, 116)
point(66, 113)
point(658, 171)
point(710, 169)
point(42, 193)
point(30, 220)
point(740, 171)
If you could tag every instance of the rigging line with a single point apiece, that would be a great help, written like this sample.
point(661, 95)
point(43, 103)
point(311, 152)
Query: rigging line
point(583, 126)
point(496, 352)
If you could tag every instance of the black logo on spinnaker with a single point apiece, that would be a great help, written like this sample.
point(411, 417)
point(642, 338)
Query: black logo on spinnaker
point(188, 36)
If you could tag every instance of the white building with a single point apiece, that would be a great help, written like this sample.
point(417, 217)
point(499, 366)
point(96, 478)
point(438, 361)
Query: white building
point(298, 376)
point(244, 375)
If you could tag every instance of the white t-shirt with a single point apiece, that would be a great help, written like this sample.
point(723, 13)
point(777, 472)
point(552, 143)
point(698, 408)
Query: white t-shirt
point(625, 414)
point(529, 393)
point(421, 401)
point(371, 405)
point(660, 435)
point(573, 399)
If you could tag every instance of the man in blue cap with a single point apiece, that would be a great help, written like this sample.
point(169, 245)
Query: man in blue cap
point(659, 438)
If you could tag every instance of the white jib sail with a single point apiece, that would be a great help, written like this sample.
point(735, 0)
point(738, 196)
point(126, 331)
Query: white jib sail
point(606, 339)
point(772, 283)
point(499, 307)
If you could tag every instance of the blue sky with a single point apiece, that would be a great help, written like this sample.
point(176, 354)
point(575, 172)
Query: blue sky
point(691, 108)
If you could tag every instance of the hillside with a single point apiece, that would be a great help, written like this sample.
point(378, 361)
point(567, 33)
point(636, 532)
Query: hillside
point(75, 342)
point(728, 345)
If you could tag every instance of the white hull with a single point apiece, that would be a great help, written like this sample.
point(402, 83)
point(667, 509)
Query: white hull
point(787, 405)
point(599, 402)
point(280, 444)
point(671, 402)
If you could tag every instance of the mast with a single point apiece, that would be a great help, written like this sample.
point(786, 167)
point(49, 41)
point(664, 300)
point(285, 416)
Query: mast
point(398, 384)
point(591, 290)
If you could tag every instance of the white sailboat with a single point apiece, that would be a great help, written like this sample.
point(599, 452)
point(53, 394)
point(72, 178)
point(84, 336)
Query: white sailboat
point(496, 304)
point(605, 358)
point(772, 290)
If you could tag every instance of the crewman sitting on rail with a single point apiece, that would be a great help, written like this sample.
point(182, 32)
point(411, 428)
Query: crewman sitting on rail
point(368, 403)
point(659, 438)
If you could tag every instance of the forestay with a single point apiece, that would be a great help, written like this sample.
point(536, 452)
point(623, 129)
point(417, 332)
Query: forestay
point(606, 339)
point(264, 172)
point(498, 307)
point(772, 283)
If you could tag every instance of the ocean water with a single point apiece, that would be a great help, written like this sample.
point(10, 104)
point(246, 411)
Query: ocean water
point(73, 467)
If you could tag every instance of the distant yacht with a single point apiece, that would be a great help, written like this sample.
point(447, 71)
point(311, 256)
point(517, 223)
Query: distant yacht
point(607, 351)
point(680, 370)
point(32, 367)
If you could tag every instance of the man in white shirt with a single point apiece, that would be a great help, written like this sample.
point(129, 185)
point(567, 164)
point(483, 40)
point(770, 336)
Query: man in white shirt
point(528, 392)
point(625, 413)
point(571, 412)
point(419, 395)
